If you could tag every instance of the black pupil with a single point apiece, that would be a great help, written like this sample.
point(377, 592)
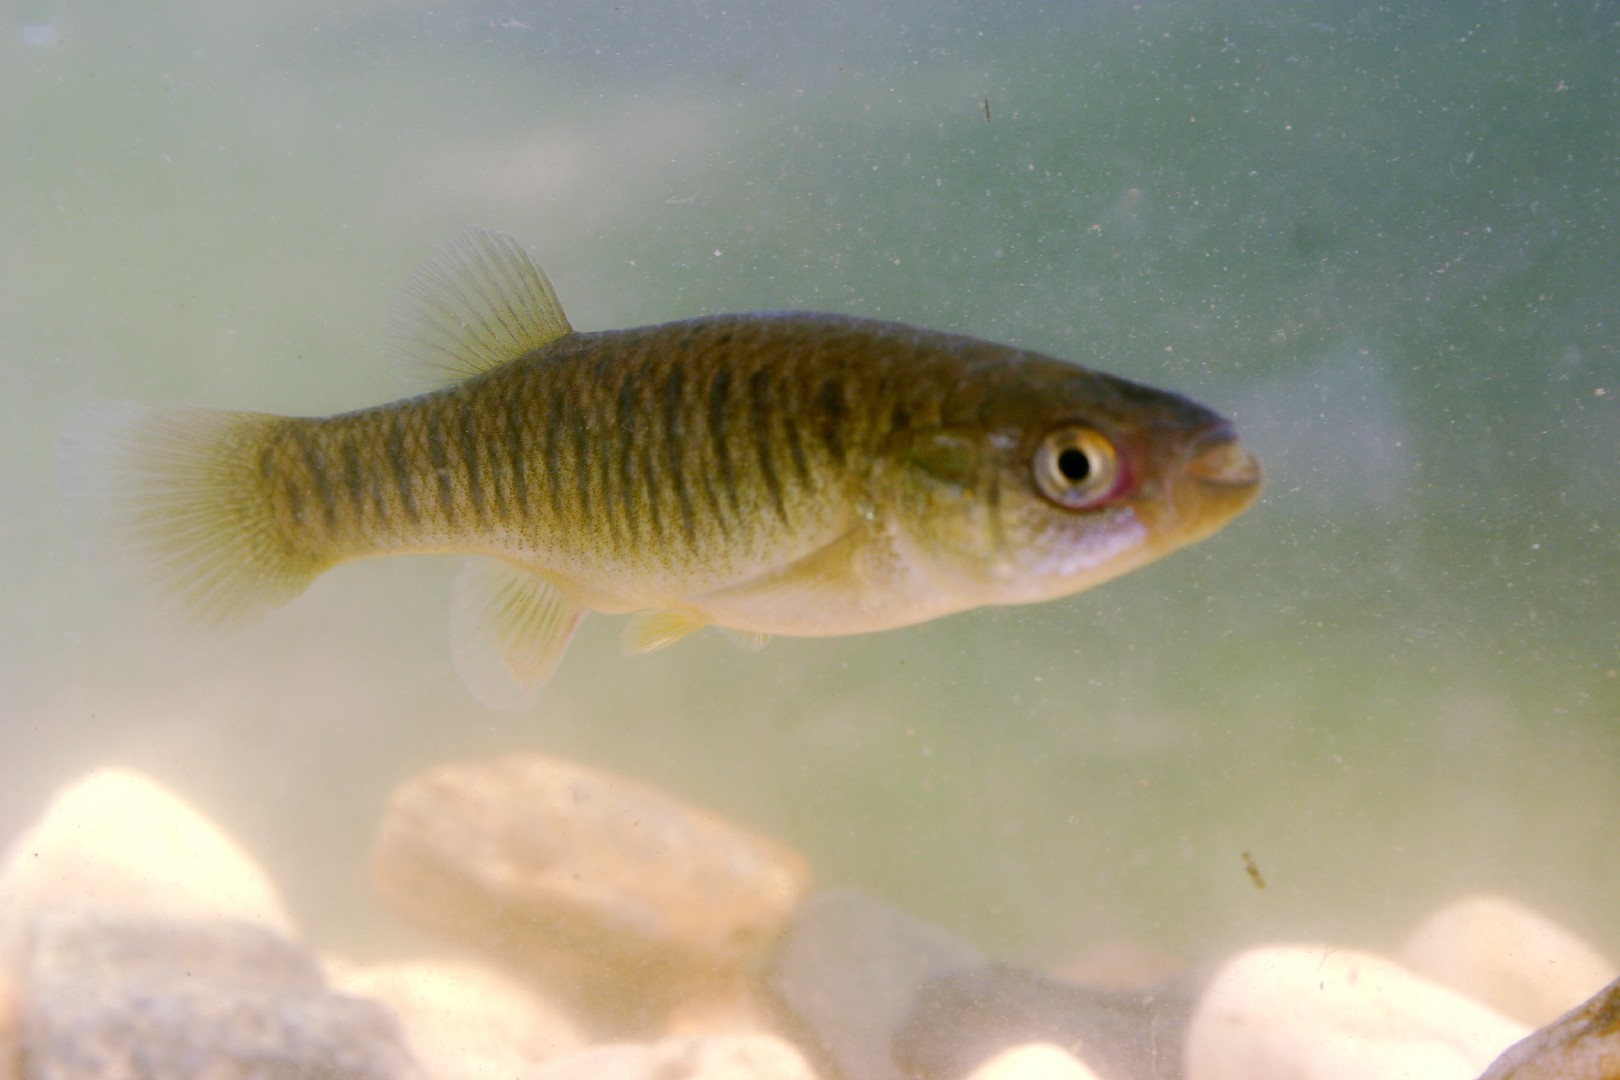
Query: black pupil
point(1074, 465)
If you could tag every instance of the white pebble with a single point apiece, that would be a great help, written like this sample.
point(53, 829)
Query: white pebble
point(715, 1057)
point(10, 1053)
point(119, 842)
point(1314, 1013)
point(1515, 960)
point(1033, 1061)
point(463, 1021)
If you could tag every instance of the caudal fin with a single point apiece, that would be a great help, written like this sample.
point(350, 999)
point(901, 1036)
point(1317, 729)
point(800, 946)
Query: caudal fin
point(171, 499)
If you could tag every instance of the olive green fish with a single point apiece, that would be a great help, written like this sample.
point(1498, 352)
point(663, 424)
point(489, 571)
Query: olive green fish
point(764, 473)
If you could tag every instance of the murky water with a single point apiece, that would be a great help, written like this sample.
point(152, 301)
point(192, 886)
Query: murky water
point(1384, 239)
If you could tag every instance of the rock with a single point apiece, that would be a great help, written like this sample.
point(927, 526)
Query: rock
point(846, 976)
point(1583, 1044)
point(540, 863)
point(1504, 955)
point(726, 1006)
point(718, 1057)
point(10, 1052)
point(118, 842)
point(1121, 964)
point(875, 994)
point(963, 1019)
point(110, 998)
point(78, 946)
point(1313, 1013)
point(1033, 1061)
point(463, 1021)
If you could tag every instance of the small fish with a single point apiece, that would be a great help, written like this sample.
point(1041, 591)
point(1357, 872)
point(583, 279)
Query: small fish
point(764, 473)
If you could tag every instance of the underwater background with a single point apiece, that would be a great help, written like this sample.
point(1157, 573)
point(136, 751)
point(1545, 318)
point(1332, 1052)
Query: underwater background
point(1385, 239)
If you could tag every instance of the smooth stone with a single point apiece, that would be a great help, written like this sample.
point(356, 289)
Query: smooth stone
point(1315, 1013)
point(1120, 964)
point(730, 1005)
point(116, 841)
point(965, 1018)
point(846, 976)
point(463, 1021)
point(1583, 1044)
point(1502, 954)
point(10, 1051)
point(96, 947)
point(876, 994)
point(529, 858)
point(1033, 1061)
point(717, 1057)
point(111, 998)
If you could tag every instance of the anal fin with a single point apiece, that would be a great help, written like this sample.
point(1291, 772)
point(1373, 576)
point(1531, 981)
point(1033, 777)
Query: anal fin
point(509, 628)
point(649, 631)
point(747, 640)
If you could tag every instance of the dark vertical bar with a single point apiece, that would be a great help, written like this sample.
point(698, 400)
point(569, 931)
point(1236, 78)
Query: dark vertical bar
point(626, 445)
point(315, 465)
point(759, 397)
point(719, 404)
point(354, 480)
point(552, 433)
point(517, 458)
point(580, 430)
point(394, 450)
point(467, 446)
point(439, 459)
point(832, 416)
point(674, 447)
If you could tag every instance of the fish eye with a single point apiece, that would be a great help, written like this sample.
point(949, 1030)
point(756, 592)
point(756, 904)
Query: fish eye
point(1075, 467)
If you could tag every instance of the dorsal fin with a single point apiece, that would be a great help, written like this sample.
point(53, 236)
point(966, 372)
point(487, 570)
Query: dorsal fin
point(476, 303)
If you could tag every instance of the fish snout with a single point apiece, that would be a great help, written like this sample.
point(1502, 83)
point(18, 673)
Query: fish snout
point(1217, 458)
point(1219, 478)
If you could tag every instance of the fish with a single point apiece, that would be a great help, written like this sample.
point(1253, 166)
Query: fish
point(764, 473)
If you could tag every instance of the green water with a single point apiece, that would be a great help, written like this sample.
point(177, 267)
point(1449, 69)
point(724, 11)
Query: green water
point(1383, 238)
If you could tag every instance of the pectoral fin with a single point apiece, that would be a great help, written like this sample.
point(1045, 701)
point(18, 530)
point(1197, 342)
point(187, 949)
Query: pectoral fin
point(509, 628)
point(831, 577)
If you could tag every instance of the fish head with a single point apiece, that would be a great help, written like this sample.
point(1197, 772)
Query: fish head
point(1043, 478)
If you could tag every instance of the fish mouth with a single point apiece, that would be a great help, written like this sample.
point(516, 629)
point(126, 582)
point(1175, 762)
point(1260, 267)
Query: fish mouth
point(1217, 459)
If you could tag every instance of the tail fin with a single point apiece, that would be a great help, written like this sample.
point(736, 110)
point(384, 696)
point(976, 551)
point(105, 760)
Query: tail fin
point(171, 498)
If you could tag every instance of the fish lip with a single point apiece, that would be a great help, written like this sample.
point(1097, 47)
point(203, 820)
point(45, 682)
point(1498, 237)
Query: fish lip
point(1217, 458)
